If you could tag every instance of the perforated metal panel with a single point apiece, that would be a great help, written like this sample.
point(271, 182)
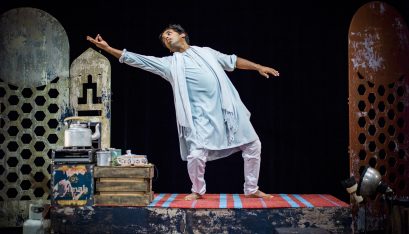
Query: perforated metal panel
point(30, 128)
point(378, 101)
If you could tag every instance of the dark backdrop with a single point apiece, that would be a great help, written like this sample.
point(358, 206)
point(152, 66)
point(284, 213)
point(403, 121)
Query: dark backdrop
point(301, 117)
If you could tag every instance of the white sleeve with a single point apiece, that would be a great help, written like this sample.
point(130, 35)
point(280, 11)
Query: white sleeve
point(228, 62)
point(156, 65)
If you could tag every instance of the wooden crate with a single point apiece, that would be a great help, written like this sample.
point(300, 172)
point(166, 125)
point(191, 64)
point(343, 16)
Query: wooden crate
point(124, 186)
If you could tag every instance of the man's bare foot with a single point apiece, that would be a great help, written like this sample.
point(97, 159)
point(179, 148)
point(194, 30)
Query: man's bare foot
point(193, 196)
point(259, 194)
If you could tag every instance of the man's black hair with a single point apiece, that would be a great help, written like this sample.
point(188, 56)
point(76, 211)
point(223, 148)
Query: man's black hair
point(177, 28)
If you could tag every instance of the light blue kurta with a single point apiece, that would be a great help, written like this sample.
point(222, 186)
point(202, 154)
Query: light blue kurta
point(204, 94)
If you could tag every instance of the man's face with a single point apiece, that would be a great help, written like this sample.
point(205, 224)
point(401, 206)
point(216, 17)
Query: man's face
point(172, 39)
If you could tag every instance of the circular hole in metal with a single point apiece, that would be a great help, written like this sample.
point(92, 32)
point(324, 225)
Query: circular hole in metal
point(372, 162)
point(27, 93)
point(25, 184)
point(53, 108)
point(53, 123)
point(391, 98)
point(26, 123)
point(382, 154)
point(12, 146)
point(2, 92)
point(53, 93)
point(392, 146)
point(39, 161)
point(38, 192)
point(39, 146)
point(2, 138)
point(381, 122)
point(381, 90)
point(391, 130)
point(361, 122)
point(26, 154)
point(391, 114)
point(381, 138)
point(362, 155)
point(12, 161)
point(361, 89)
point(25, 169)
point(12, 193)
point(372, 146)
point(361, 105)
point(40, 100)
point(26, 107)
point(39, 176)
point(371, 114)
point(381, 106)
point(52, 138)
point(1, 170)
point(26, 138)
point(13, 100)
point(362, 138)
point(39, 130)
point(13, 115)
point(12, 131)
point(372, 130)
point(371, 98)
point(39, 115)
point(12, 177)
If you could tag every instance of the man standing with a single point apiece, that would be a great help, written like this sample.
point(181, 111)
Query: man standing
point(212, 121)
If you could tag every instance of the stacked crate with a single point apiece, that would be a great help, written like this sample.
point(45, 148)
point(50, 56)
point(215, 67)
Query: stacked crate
point(124, 186)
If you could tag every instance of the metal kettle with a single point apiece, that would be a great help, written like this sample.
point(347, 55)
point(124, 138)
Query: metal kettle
point(79, 134)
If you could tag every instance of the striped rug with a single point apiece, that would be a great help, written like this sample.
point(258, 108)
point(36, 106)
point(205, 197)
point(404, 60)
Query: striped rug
point(175, 200)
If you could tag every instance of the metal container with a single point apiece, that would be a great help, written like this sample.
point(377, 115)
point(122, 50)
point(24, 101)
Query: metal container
point(104, 158)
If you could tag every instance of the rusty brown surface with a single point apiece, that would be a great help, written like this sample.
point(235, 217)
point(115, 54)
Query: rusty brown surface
point(378, 60)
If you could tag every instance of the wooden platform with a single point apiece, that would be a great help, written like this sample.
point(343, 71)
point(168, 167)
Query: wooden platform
point(217, 213)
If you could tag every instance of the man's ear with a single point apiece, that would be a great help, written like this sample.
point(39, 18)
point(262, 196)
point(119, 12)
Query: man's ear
point(183, 35)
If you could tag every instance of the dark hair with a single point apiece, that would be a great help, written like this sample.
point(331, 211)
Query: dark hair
point(177, 28)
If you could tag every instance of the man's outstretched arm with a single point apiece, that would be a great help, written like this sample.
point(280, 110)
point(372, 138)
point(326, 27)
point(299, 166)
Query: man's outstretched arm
point(245, 64)
point(100, 43)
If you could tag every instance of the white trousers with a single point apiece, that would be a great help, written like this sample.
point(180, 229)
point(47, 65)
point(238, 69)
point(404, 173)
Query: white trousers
point(196, 164)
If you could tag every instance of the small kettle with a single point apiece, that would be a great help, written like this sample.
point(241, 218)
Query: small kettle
point(79, 134)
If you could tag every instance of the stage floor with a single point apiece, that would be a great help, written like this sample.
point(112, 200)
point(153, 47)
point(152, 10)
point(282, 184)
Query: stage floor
point(216, 213)
point(220, 201)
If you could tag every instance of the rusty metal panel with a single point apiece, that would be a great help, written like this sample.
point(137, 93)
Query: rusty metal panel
point(34, 48)
point(378, 60)
point(33, 102)
point(90, 91)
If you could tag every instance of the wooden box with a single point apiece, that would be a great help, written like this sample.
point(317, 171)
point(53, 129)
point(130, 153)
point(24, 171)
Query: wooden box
point(124, 186)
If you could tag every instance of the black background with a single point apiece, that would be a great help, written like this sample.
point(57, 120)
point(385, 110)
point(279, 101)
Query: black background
point(301, 117)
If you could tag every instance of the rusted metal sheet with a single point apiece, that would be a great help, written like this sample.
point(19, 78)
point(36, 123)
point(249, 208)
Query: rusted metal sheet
point(172, 220)
point(90, 91)
point(378, 60)
point(33, 103)
point(34, 48)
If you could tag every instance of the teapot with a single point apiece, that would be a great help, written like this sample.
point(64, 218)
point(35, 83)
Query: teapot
point(79, 134)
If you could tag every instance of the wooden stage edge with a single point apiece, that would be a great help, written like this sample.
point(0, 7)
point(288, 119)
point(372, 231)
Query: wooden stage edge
point(165, 219)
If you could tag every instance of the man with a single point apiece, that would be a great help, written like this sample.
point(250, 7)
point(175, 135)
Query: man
point(212, 121)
